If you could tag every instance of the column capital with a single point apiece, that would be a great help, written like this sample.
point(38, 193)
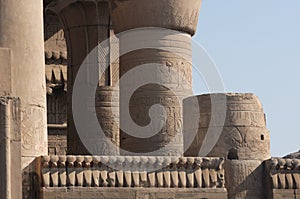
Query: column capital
point(181, 15)
point(57, 6)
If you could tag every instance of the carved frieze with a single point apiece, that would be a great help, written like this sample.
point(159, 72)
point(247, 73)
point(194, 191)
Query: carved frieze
point(284, 173)
point(130, 171)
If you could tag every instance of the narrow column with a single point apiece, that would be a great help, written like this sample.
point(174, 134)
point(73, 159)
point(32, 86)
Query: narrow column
point(87, 24)
point(173, 70)
point(10, 148)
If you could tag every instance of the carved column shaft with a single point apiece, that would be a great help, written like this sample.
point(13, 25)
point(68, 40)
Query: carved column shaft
point(23, 76)
point(242, 138)
point(242, 134)
point(21, 30)
point(87, 24)
point(172, 70)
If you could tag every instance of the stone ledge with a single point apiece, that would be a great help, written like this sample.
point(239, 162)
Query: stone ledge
point(138, 193)
point(128, 171)
point(284, 194)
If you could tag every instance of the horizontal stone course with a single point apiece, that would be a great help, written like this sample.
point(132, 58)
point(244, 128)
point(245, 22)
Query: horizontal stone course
point(132, 171)
point(284, 194)
point(133, 193)
point(236, 118)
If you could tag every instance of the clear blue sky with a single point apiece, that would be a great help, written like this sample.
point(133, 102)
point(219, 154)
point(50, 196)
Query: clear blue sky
point(256, 47)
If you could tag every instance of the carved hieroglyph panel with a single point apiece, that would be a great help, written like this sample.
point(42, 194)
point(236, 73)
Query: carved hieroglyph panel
point(243, 135)
point(174, 77)
point(107, 110)
point(33, 123)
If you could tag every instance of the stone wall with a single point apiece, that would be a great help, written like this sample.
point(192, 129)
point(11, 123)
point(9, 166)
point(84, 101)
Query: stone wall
point(57, 141)
point(245, 179)
point(133, 193)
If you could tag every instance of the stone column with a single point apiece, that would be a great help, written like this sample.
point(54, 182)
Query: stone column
point(180, 15)
point(23, 76)
point(243, 134)
point(242, 139)
point(21, 30)
point(87, 24)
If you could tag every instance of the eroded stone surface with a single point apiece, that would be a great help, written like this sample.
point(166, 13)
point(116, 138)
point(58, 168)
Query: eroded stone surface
point(127, 171)
point(133, 193)
point(244, 139)
point(239, 130)
point(21, 31)
point(26, 45)
point(284, 173)
point(295, 155)
point(171, 68)
point(245, 179)
point(176, 15)
point(83, 32)
point(10, 148)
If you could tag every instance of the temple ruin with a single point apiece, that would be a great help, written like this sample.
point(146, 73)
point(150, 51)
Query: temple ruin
point(45, 155)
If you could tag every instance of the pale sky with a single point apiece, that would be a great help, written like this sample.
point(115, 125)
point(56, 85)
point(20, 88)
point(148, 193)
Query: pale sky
point(256, 48)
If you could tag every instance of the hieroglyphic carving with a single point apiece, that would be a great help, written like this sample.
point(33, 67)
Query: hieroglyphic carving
point(107, 111)
point(174, 71)
point(175, 75)
point(83, 32)
point(171, 130)
point(243, 135)
point(32, 139)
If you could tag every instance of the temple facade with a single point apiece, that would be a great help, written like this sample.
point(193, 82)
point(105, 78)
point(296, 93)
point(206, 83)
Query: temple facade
point(208, 146)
